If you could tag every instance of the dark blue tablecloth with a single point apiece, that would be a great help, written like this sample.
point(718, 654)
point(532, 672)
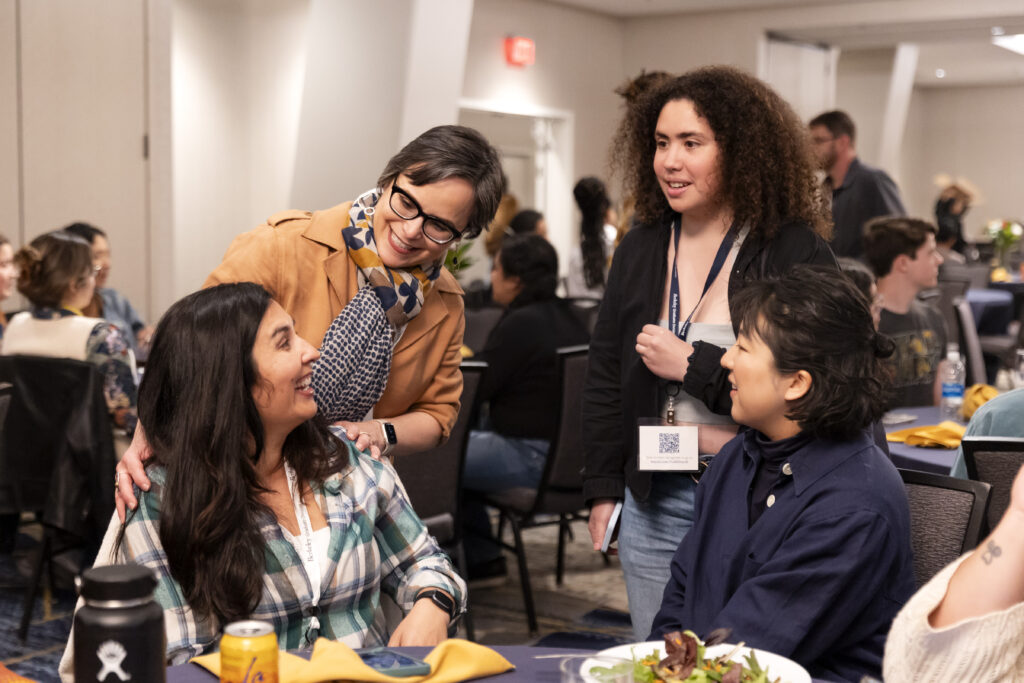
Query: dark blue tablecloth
point(937, 460)
point(992, 310)
point(528, 668)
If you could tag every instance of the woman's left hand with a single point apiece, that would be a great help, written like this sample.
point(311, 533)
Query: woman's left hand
point(364, 435)
point(425, 625)
point(663, 353)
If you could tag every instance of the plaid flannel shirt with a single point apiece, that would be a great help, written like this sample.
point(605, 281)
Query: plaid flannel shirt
point(377, 543)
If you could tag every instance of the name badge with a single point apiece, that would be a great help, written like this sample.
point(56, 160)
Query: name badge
point(667, 448)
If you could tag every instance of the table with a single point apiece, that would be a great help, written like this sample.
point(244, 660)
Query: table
point(935, 460)
point(528, 668)
point(1016, 287)
point(992, 309)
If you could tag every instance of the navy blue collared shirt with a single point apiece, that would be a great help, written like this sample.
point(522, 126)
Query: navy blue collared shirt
point(818, 577)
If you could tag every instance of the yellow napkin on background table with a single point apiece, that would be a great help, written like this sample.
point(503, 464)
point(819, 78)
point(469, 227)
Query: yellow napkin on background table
point(451, 661)
point(976, 396)
point(946, 434)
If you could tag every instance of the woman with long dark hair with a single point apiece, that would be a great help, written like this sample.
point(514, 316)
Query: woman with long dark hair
point(259, 510)
point(521, 383)
point(589, 263)
point(724, 180)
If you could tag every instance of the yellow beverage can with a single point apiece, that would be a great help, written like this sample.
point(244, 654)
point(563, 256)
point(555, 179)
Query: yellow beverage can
point(248, 653)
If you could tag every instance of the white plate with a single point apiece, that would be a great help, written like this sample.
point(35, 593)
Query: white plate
point(778, 667)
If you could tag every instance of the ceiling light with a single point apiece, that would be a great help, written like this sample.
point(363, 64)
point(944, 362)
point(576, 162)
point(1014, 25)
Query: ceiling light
point(998, 30)
point(1014, 43)
point(940, 73)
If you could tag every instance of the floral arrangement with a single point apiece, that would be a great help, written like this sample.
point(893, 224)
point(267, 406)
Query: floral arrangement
point(1004, 233)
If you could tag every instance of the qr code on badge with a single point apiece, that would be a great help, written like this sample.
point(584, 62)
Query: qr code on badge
point(668, 443)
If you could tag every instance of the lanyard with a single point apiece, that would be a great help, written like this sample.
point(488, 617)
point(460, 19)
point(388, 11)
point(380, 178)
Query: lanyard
point(310, 562)
point(716, 268)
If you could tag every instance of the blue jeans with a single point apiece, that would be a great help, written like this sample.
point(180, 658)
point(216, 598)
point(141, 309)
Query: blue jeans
point(649, 534)
point(495, 463)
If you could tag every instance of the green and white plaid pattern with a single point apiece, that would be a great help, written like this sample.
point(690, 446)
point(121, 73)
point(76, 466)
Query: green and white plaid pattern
point(377, 543)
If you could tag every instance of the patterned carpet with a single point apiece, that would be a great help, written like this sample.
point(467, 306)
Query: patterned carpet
point(38, 656)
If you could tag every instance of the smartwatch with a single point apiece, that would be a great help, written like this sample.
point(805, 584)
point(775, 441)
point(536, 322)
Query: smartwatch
point(442, 600)
point(390, 437)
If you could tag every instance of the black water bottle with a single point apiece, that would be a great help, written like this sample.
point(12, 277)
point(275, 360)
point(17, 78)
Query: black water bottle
point(119, 632)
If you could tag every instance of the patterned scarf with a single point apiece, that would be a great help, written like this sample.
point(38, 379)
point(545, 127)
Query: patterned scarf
point(400, 290)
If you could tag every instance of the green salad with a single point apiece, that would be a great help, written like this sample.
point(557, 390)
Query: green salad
point(684, 662)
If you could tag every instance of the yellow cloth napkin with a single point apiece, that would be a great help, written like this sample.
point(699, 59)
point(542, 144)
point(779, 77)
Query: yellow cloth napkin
point(451, 661)
point(944, 435)
point(976, 396)
point(999, 275)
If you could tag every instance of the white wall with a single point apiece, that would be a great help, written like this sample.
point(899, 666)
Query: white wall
point(579, 64)
point(862, 86)
point(10, 205)
point(237, 79)
point(974, 132)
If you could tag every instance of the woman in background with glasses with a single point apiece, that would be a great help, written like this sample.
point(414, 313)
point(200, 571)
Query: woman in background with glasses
point(56, 274)
point(365, 281)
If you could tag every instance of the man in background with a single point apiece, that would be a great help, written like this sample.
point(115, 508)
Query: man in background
point(859, 192)
point(903, 254)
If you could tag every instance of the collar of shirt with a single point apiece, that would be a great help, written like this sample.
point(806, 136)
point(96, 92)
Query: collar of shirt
point(48, 313)
point(812, 461)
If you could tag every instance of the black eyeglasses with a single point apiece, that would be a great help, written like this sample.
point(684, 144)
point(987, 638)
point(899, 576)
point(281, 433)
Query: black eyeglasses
point(437, 230)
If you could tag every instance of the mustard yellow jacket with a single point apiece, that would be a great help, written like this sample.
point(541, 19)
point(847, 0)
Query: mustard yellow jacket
point(299, 256)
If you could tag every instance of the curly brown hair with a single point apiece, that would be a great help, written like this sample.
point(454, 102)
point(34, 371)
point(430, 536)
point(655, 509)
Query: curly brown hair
point(766, 161)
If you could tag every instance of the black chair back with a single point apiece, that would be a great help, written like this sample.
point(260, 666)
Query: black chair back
point(479, 323)
point(995, 461)
point(58, 446)
point(561, 486)
point(586, 309)
point(949, 292)
point(970, 346)
point(947, 517)
point(433, 479)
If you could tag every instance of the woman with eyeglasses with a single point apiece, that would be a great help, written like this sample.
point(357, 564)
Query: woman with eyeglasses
point(365, 282)
point(56, 274)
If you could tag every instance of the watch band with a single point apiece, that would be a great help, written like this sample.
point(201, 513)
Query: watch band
point(441, 599)
point(390, 437)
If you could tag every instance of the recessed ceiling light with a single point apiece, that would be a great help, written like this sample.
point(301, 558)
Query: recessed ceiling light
point(1014, 43)
point(940, 73)
point(998, 30)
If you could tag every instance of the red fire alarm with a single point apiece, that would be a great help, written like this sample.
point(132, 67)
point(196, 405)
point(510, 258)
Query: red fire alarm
point(519, 51)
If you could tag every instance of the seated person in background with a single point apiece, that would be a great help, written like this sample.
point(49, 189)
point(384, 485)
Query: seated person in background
point(967, 623)
point(801, 538)
point(8, 276)
point(528, 222)
point(521, 384)
point(57, 276)
point(1001, 416)
point(953, 202)
point(257, 510)
point(108, 303)
point(903, 254)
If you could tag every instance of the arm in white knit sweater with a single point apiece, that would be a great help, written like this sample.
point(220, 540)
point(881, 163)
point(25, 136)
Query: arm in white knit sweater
point(967, 623)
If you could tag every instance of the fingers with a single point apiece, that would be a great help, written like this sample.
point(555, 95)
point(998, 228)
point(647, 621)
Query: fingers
point(375, 453)
point(136, 473)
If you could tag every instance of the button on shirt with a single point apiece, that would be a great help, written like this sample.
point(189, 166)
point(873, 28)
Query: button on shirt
point(818, 577)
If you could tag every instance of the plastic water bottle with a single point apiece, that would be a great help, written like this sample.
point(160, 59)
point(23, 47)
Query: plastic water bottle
point(954, 373)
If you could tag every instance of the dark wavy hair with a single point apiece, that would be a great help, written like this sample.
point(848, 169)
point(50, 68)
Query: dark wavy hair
point(533, 260)
point(453, 152)
point(592, 198)
point(50, 265)
point(767, 167)
point(202, 423)
point(86, 231)
point(814, 319)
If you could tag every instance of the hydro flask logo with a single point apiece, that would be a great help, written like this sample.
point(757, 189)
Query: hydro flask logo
point(111, 653)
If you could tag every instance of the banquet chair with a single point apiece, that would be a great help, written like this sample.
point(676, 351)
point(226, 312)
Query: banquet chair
point(586, 309)
point(558, 498)
point(479, 323)
point(57, 458)
point(947, 516)
point(970, 346)
point(947, 294)
point(433, 478)
point(995, 461)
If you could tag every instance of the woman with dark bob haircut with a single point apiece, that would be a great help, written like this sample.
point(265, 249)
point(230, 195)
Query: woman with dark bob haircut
point(257, 510)
point(365, 282)
point(801, 536)
point(724, 180)
point(521, 383)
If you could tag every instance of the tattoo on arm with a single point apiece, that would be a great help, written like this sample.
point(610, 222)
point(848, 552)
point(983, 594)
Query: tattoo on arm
point(992, 551)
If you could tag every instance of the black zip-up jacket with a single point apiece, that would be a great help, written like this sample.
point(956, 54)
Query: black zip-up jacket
point(619, 387)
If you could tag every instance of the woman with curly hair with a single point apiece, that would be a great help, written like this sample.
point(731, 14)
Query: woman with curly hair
point(723, 175)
